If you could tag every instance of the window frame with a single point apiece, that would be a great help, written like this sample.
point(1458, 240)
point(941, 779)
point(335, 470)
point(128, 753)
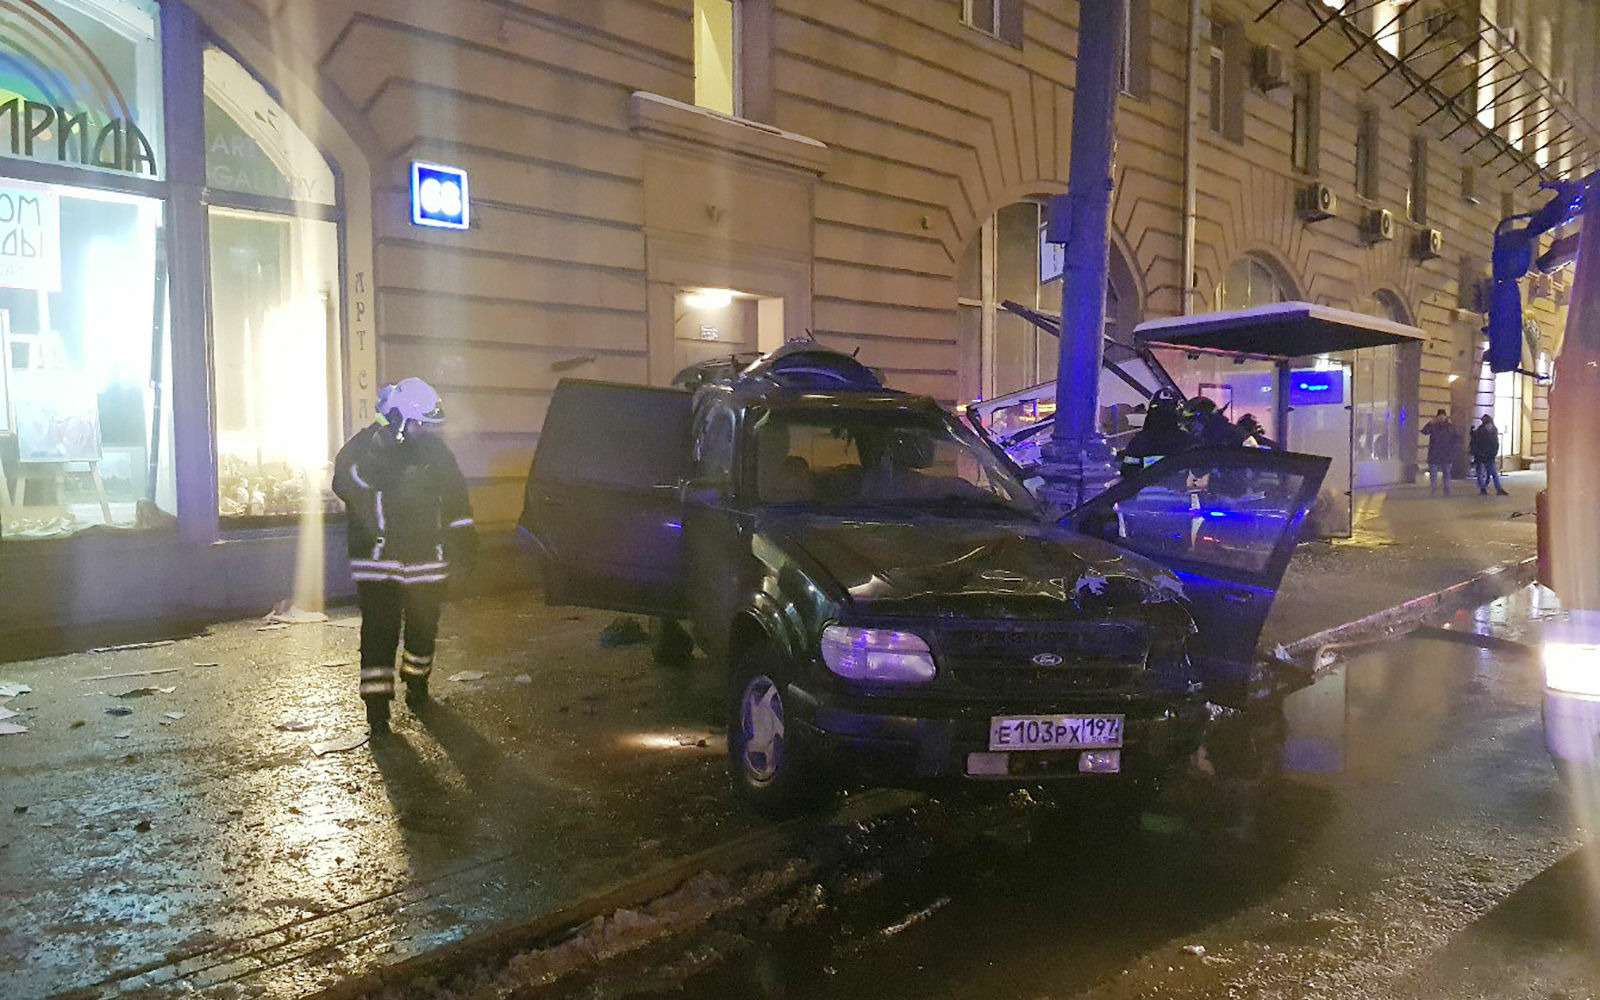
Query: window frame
point(1005, 18)
point(1304, 123)
point(1417, 180)
point(735, 57)
point(1368, 164)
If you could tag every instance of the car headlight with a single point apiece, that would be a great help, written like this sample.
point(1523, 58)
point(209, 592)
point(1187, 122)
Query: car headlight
point(1572, 667)
point(873, 654)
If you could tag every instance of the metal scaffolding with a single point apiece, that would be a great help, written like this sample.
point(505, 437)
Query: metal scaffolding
point(1456, 43)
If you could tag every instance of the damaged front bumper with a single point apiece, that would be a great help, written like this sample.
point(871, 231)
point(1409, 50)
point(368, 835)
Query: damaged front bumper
point(915, 743)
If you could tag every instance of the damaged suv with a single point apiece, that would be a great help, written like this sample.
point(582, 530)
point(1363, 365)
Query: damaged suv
point(883, 590)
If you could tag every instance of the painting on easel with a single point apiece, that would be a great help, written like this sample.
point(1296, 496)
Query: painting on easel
point(57, 415)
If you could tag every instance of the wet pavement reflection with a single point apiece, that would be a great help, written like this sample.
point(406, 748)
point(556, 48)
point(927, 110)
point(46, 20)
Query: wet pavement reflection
point(1319, 849)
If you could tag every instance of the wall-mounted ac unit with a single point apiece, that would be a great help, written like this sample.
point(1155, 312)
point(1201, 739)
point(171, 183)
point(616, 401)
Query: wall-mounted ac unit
point(1429, 245)
point(1269, 67)
point(1377, 226)
point(1316, 202)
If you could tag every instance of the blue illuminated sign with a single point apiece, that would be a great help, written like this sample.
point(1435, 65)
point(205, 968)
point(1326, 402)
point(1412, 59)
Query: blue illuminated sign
point(439, 197)
point(1316, 387)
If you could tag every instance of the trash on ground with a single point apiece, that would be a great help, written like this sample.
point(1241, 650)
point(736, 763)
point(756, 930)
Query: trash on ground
point(208, 664)
point(469, 675)
point(1282, 654)
point(522, 679)
point(1197, 950)
point(293, 726)
point(287, 614)
point(6, 713)
point(12, 729)
point(144, 692)
point(156, 644)
point(10, 689)
point(135, 673)
point(341, 745)
point(119, 710)
point(624, 632)
point(339, 663)
point(278, 627)
point(124, 734)
point(168, 718)
point(912, 919)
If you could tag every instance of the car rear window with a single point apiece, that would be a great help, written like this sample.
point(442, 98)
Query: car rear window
point(607, 434)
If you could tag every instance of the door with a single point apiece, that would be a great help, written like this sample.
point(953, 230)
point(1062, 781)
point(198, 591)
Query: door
point(603, 503)
point(1226, 521)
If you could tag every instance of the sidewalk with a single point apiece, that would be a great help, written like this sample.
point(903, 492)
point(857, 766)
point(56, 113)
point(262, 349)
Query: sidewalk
point(145, 854)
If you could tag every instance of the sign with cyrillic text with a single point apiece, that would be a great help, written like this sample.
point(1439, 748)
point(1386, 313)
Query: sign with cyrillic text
point(30, 237)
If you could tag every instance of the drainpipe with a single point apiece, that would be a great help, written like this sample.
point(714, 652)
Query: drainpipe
point(1078, 463)
point(1191, 145)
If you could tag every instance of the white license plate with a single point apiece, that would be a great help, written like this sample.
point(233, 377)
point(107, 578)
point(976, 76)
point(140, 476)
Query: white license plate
point(1055, 732)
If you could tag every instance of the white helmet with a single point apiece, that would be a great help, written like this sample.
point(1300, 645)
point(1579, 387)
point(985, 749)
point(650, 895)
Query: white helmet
point(414, 399)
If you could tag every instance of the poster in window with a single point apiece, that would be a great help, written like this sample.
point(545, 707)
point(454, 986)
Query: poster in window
point(58, 415)
point(30, 237)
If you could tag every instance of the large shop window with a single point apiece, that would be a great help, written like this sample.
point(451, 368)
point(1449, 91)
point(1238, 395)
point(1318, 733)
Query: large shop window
point(86, 428)
point(80, 84)
point(275, 307)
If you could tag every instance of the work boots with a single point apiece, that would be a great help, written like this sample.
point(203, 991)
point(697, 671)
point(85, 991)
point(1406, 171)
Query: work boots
point(416, 693)
point(378, 717)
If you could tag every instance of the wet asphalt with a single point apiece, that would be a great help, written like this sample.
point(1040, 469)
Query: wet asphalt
point(1395, 830)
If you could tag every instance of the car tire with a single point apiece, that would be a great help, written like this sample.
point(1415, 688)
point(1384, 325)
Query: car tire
point(773, 768)
point(672, 646)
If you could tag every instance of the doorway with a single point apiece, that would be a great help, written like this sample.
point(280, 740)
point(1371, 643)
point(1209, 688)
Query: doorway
point(711, 323)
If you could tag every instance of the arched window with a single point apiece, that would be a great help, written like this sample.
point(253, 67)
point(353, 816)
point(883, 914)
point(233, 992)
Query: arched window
point(1378, 402)
point(1250, 282)
point(275, 331)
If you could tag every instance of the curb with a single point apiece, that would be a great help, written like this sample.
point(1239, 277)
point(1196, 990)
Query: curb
point(724, 859)
point(1492, 583)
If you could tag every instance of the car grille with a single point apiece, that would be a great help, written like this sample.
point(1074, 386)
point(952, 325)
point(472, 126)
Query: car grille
point(998, 658)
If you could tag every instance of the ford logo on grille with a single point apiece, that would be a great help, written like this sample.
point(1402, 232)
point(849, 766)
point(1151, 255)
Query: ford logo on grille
point(1046, 660)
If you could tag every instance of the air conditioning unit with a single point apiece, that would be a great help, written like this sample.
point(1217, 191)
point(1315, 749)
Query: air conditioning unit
point(1430, 244)
point(1316, 202)
point(1270, 68)
point(1378, 226)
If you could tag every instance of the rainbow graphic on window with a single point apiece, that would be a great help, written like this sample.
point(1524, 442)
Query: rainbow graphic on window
point(59, 99)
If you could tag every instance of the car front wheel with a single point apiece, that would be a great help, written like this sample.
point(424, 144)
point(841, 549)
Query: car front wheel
point(773, 768)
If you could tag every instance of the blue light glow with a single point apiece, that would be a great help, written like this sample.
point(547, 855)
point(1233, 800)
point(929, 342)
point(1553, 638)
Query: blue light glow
point(440, 196)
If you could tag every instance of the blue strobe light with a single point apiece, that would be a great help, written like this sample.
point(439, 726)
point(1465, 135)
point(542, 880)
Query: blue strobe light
point(439, 196)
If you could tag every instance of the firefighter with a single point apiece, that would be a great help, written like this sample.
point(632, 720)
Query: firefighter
point(410, 524)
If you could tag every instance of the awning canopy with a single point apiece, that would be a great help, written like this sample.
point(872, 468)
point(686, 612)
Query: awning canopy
point(1277, 331)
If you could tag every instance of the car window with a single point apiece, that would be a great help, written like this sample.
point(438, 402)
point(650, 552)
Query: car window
point(714, 447)
point(612, 435)
point(1231, 516)
point(845, 457)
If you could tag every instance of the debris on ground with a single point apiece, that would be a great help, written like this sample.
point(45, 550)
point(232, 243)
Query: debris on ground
point(287, 614)
point(276, 627)
point(12, 729)
point(469, 675)
point(293, 726)
point(522, 679)
point(341, 745)
point(119, 710)
point(1197, 950)
point(136, 673)
point(913, 919)
point(624, 632)
point(143, 826)
point(168, 718)
point(208, 664)
point(144, 692)
point(122, 647)
point(11, 689)
point(339, 663)
point(6, 713)
point(122, 734)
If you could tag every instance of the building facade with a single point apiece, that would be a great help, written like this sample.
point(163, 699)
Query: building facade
point(209, 256)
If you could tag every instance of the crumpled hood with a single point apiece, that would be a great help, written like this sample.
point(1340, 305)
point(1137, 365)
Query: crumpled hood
point(938, 565)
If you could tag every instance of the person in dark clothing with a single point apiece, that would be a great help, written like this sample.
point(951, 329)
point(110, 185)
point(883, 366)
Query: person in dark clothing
point(1486, 456)
point(1161, 435)
point(1209, 427)
point(1444, 444)
point(1253, 435)
point(410, 525)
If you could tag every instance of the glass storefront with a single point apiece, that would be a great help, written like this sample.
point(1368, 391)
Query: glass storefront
point(87, 367)
point(87, 422)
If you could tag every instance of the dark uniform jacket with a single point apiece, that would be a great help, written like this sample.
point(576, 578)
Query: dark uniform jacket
point(409, 515)
point(1485, 443)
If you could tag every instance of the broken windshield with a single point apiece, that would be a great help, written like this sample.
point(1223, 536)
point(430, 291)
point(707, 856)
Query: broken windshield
point(863, 458)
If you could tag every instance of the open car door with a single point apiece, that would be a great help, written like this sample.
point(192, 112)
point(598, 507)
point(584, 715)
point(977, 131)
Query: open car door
point(1226, 521)
point(603, 504)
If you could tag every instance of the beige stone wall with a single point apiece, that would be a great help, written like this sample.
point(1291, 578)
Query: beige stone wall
point(931, 127)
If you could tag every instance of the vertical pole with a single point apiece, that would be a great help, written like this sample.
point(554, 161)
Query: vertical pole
point(1078, 462)
point(1574, 447)
point(1191, 144)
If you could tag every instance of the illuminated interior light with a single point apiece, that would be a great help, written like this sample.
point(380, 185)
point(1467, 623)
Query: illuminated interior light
point(709, 298)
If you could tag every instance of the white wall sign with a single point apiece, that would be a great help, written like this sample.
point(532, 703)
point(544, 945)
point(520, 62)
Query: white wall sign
point(440, 197)
point(30, 237)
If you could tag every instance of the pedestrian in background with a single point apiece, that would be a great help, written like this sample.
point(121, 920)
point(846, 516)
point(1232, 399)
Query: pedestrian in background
point(1486, 456)
point(1444, 444)
point(410, 524)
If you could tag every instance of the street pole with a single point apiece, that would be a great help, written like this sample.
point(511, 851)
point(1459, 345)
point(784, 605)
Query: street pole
point(1574, 446)
point(1078, 463)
